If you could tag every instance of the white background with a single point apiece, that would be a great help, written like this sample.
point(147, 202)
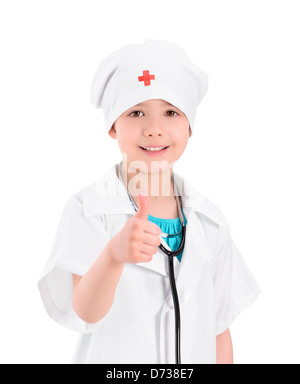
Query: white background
point(244, 153)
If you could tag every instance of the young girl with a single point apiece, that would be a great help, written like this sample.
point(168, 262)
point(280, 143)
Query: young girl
point(108, 275)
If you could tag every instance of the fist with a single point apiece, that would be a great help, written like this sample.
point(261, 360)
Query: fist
point(139, 239)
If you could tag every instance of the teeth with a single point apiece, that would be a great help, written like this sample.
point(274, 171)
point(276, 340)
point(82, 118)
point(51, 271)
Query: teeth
point(154, 149)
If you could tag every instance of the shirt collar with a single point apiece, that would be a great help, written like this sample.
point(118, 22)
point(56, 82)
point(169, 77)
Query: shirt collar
point(109, 196)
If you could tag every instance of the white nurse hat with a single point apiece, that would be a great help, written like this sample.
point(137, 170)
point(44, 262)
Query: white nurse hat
point(155, 69)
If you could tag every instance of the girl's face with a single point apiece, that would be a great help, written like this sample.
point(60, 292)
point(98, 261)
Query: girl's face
point(152, 123)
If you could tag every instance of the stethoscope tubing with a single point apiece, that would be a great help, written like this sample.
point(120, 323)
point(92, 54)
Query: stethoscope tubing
point(176, 310)
point(170, 255)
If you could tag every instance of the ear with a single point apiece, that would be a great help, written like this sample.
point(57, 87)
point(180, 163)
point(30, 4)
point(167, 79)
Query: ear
point(112, 132)
point(190, 132)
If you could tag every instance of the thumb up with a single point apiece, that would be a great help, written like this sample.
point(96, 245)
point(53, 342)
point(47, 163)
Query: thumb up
point(139, 239)
point(143, 208)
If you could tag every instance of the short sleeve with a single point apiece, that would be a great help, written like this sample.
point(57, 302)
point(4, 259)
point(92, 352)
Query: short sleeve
point(78, 242)
point(235, 287)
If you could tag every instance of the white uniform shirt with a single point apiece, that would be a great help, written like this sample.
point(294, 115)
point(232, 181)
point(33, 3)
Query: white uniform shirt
point(213, 282)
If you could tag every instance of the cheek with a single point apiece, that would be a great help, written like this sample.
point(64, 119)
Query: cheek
point(181, 136)
point(180, 142)
point(127, 140)
point(181, 130)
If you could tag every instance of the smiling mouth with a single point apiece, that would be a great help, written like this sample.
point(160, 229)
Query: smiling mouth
point(154, 149)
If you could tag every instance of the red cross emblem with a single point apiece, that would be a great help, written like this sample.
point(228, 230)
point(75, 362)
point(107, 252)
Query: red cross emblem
point(146, 78)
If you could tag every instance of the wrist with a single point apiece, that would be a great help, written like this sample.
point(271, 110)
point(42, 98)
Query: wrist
point(112, 252)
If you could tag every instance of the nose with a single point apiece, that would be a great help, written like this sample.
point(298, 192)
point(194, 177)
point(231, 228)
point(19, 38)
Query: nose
point(153, 127)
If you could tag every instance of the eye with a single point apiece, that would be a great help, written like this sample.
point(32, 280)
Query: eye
point(174, 112)
point(131, 113)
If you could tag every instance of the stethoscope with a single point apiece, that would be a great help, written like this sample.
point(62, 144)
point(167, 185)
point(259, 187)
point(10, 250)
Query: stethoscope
point(170, 255)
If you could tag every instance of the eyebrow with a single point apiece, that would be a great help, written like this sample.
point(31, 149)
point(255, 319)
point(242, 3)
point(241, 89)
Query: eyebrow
point(142, 104)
